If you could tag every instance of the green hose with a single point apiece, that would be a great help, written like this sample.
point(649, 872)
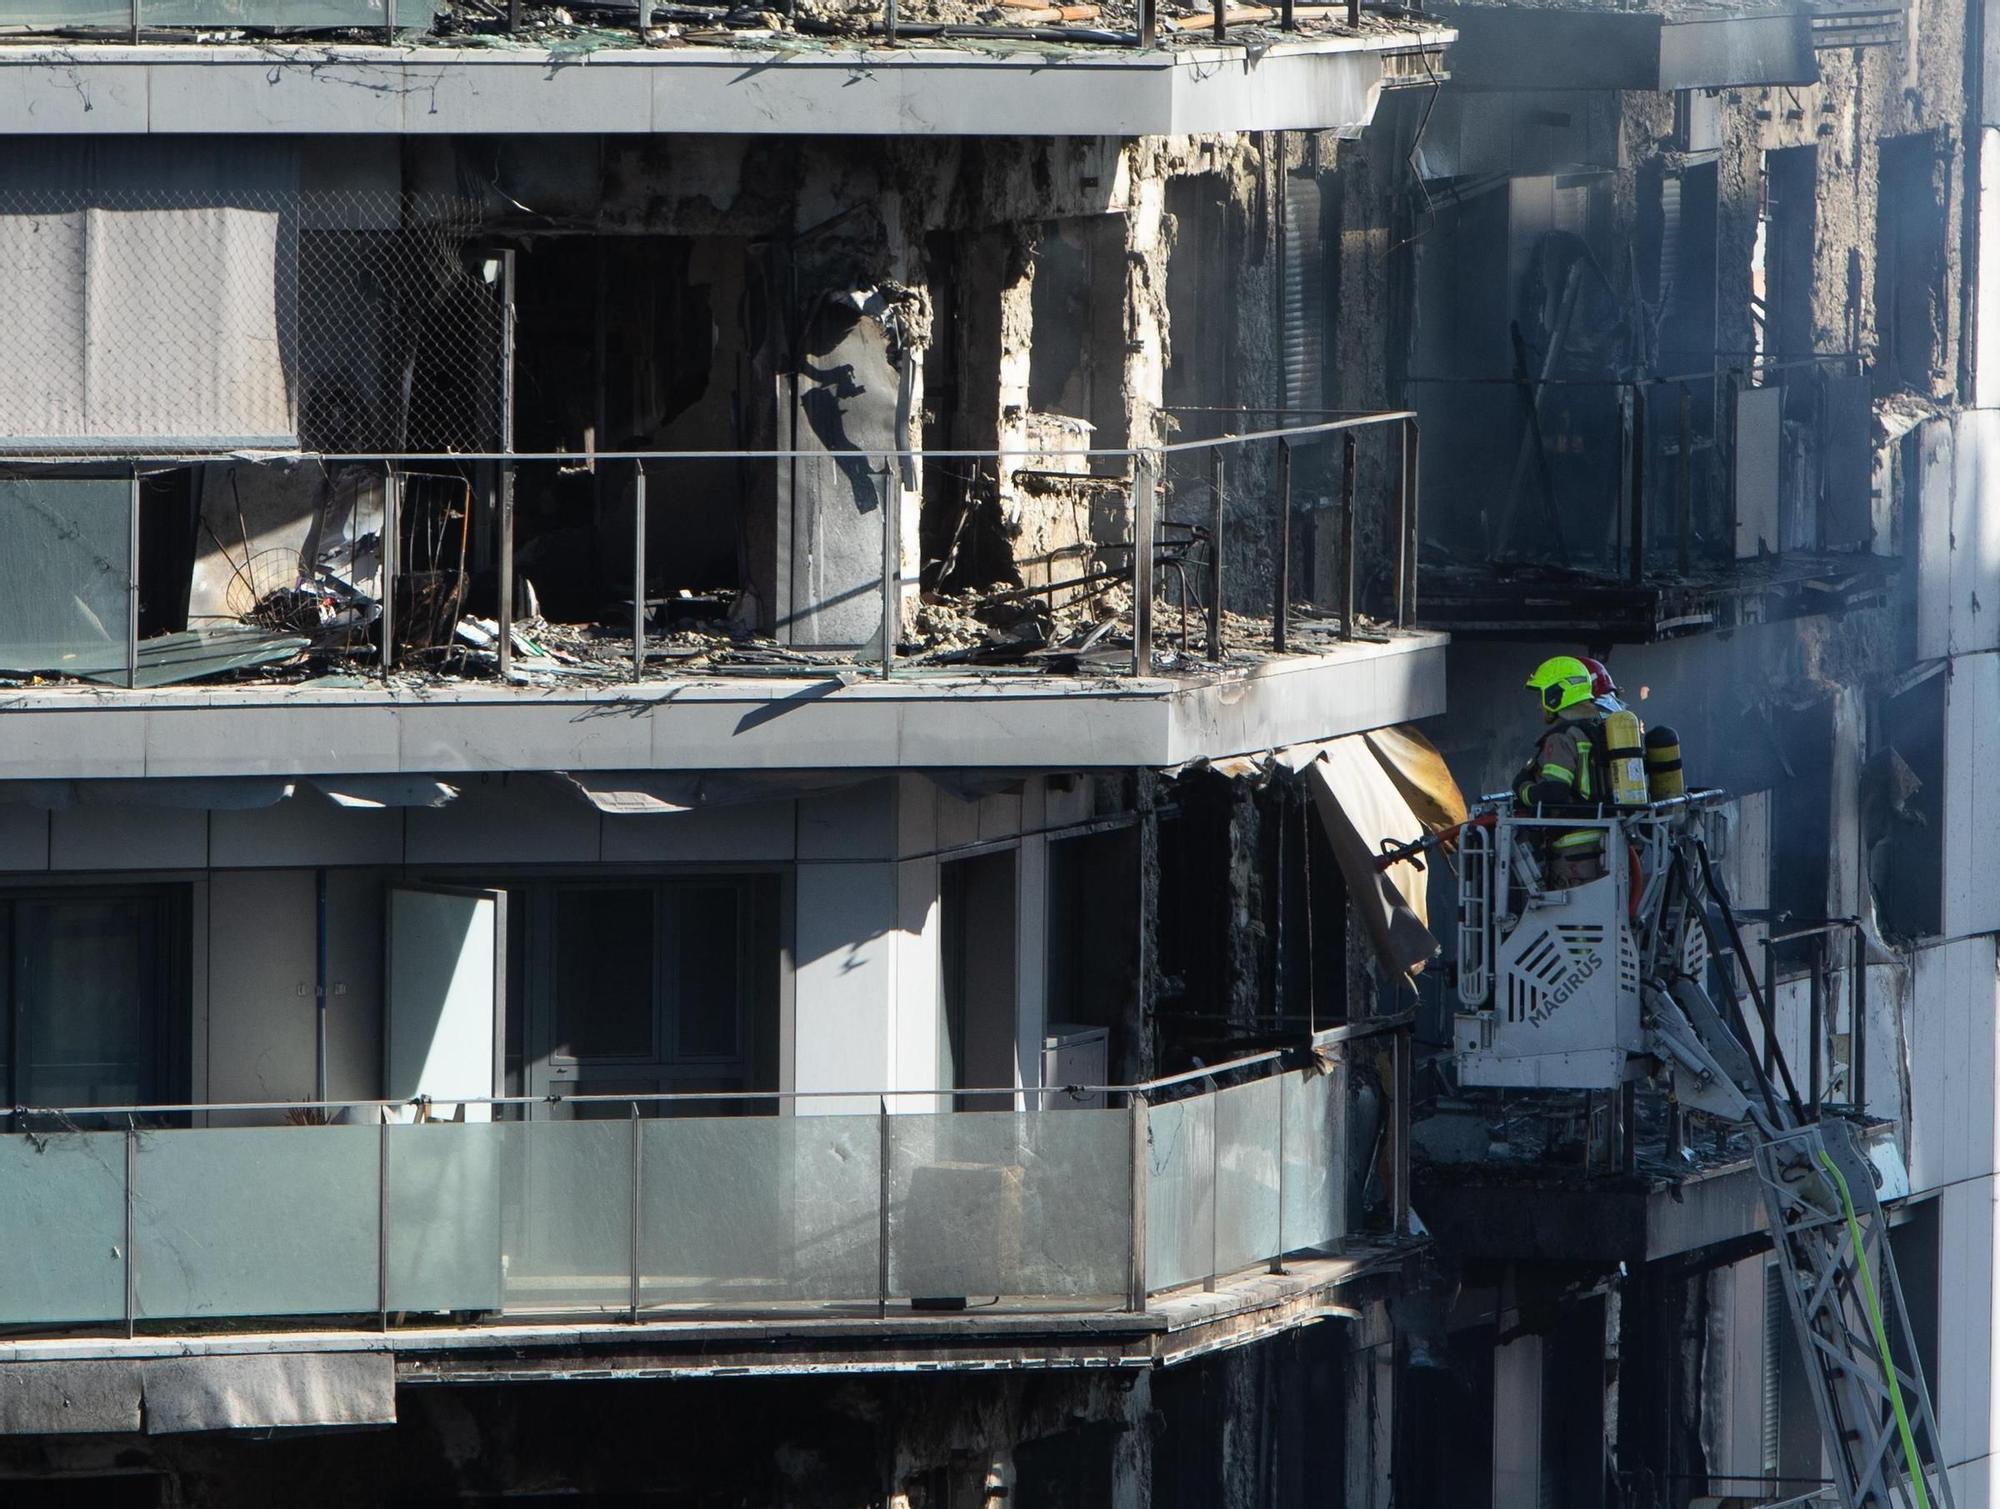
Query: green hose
point(1881, 1335)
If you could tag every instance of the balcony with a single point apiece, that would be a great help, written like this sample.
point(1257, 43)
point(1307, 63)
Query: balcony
point(1633, 512)
point(1080, 1232)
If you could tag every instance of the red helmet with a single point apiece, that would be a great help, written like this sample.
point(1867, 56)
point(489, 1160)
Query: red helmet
point(1601, 684)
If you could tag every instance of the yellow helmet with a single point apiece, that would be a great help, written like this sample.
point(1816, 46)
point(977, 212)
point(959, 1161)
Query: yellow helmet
point(1562, 682)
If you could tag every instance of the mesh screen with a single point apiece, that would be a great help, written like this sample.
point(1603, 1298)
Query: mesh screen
point(218, 318)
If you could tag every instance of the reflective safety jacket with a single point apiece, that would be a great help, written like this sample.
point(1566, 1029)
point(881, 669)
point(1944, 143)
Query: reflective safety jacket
point(1564, 772)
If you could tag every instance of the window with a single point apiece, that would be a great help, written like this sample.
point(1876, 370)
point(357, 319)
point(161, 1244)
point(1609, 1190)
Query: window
point(645, 985)
point(90, 1000)
point(1911, 236)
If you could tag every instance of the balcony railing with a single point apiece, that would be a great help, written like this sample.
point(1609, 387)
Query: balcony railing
point(606, 1206)
point(1281, 539)
point(1652, 481)
point(1135, 23)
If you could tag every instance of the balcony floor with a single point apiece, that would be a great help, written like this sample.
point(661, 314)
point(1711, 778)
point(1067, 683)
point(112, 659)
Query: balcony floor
point(264, 1379)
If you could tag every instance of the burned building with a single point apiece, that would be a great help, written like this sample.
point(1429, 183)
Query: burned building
point(696, 705)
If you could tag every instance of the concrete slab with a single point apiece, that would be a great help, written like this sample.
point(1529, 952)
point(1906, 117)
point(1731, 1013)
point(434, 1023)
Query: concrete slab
point(1323, 83)
point(913, 722)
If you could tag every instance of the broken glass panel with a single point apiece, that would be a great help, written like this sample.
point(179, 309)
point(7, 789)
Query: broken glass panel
point(65, 573)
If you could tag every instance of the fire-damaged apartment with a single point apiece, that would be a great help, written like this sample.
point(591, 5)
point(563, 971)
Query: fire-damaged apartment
point(923, 755)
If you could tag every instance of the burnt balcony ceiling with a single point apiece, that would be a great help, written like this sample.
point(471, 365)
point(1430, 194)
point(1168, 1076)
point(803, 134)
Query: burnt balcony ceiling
point(1544, 602)
point(1579, 46)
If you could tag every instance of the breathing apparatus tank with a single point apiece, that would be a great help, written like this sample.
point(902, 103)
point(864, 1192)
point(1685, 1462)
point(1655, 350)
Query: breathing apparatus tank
point(1663, 764)
point(1625, 758)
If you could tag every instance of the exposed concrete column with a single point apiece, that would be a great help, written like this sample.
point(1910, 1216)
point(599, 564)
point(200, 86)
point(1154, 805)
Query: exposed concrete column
point(1146, 334)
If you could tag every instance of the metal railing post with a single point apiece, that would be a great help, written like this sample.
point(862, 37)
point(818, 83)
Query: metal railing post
point(1135, 1289)
point(392, 563)
point(1399, 1129)
point(638, 570)
point(1277, 1264)
point(1280, 610)
point(1857, 1047)
point(882, 1207)
point(135, 21)
point(132, 586)
point(638, 1150)
point(1149, 22)
point(1214, 1193)
point(382, 1224)
point(1142, 563)
point(1221, 20)
point(1414, 513)
point(1815, 1022)
point(1287, 21)
point(389, 23)
point(506, 520)
point(889, 21)
point(131, 1229)
point(1401, 595)
point(1684, 488)
point(1347, 468)
point(892, 615)
point(1635, 443)
point(1219, 475)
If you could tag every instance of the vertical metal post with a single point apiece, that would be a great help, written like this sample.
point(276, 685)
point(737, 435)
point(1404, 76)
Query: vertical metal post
point(1286, 20)
point(889, 22)
point(638, 1151)
point(1413, 513)
point(1135, 1287)
point(389, 23)
point(1633, 400)
point(321, 991)
point(892, 607)
point(1815, 1023)
point(514, 17)
point(392, 563)
point(882, 1208)
point(1684, 488)
point(1221, 20)
point(1280, 609)
point(382, 1220)
point(132, 585)
point(1628, 1128)
point(1771, 994)
point(1214, 1193)
point(1142, 563)
point(1277, 1264)
point(645, 18)
point(507, 466)
point(638, 571)
point(1399, 1049)
point(1219, 475)
point(135, 21)
point(1347, 468)
point(1402, 524)
point(1857, 1019)
point(1149, 22)
point(131, 1227)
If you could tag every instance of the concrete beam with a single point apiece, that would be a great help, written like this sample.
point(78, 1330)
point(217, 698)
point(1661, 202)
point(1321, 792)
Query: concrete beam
point(914, 722)
point(1319, 83)
point(1594, 1221)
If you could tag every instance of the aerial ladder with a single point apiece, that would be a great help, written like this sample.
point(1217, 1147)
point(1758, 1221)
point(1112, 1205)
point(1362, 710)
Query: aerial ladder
point(1618, 981)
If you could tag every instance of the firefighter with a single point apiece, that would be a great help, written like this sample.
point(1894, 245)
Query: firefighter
point(1603, 690)
point(1565, 770)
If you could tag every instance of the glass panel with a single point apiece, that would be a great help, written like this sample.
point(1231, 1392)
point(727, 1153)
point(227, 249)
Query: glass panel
point(742, 1211)
point(987, 1204)
point(566, 1222)
point(65, 565)
point(83, 988)
point(604, 973)
point(1246, 1182)
point(62, 1237)
point(1315, 1154)
point(445, 1183)
point(206, 13)
point(256, 1221)
point(707, 951)
point(1180, 1192)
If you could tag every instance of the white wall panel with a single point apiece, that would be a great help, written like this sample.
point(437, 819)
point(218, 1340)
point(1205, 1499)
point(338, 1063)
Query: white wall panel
point(1952, 1044)
point(1963, 1390)
point(916, 1015)
point(308, 829)
point(262, 970)
point(522, 819)
point(749, 833)
point(1975, 532)
point(850, 822)
point(1972, 794)
point(128, 838)
point(1930, 534)
point(846, 938)
point(24, 838)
